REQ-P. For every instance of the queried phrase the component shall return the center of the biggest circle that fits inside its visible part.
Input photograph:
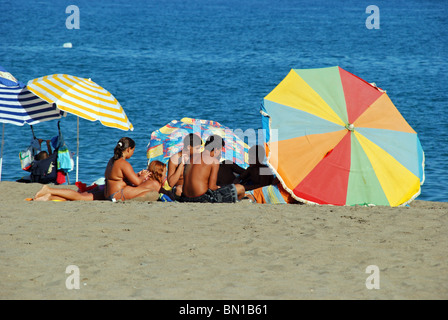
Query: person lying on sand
(192, 144)
(201, 174)
(258, 174)
(229, 173)
(154, 183)
(271, 194)
(49, 194)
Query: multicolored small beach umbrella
(333, 138)
(83, 98)
(168, 140)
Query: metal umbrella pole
(1, 154)
(77, 147)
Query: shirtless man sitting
(201, 174)
(192, 144)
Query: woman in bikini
(157, 177)
(121, 181)
(150, 180)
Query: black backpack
(46, 170)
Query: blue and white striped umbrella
(18, 106)
(7, 79)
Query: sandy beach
(157, 250)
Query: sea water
(218, 59)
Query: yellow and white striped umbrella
(81, 97)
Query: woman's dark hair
(122, 145)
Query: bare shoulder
(175, 158)
(208, 160)
(116, 169)
(151, 184)
(121, 163)
(214, 163)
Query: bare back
(119, 174)
(200, 175)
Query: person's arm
(213, 176)
(237, 169)
(244, 176)
(50, 152)
(175, 170)
(146, 173)
(261, 180)
(130, 176)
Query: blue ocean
(218, 59)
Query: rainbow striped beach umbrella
(83, 98)
(333, 138)
(168, 140)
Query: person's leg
(209, 197)
(129, 193)
(49, 197)
(240, 190)
(62, 194)
(71, 195)
(42, 192)
(178, 190)
(228, 193)
(45, 197)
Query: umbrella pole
(1, 154)
(77, 147)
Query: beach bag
(65, 162)
(45, 171)
(164, 198)
(27, 155)
(26, 158)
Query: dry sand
(156, 250)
